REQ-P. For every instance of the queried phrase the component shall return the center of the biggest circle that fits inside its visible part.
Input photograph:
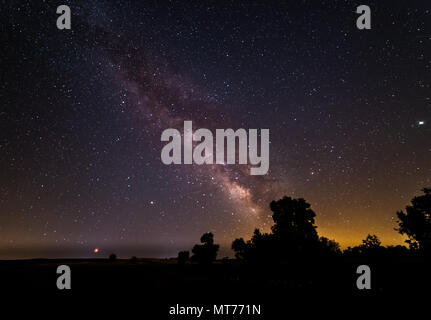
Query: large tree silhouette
(293, 234)
(293, 220)
(415, 222)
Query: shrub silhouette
(416, 222)
(183, 256)
(206, 252)
(112, 257)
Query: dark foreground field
(156, 285)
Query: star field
(82, 111)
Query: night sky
(82, 112)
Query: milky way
(165, 100)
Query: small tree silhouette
(206, 252)
(371, 242)
(416, 222)
(371, 247)
(112, 257)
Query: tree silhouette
(262, 247)
(371, 242)
(206, 252)
(416, 222)
(371, 248)
(293, 228)
(112, 257)
(293, 219)
(293, 234)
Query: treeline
(294, 236)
